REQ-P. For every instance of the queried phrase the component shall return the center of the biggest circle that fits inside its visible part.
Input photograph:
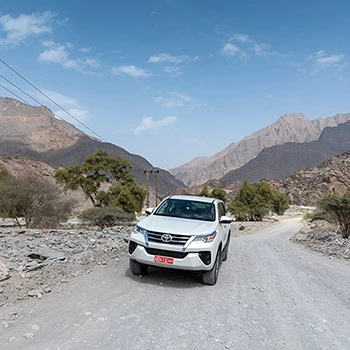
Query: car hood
(177, 225)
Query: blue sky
(171, 80)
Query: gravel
(32, 262)
(323, 238)
(271, 294)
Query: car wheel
(227, 246)
(137, 268)
(210, 277)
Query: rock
(35, 293)
(35, 327)
(326, 242)
(33, 265)
(29, 335)
(59, 254)
(309, 185)
(4, 272)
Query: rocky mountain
(294, 128)
(19, 167)
(281, 161)
(34, 132)
(309, 185)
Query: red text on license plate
(163, 259)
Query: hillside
(294, 128)
(19, 167)
(279, 162)
(308, 185)
(35, 133)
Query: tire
(227, 246)
(137, 268)
(210, 277)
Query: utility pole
(156, 172)
(156, 179)
(147, 188)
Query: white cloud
(329, 60)
(166, 58)
(176, 99)
(54, 53)
(92, 63)
(85, 49)
(320, 53)
(80, 114)
(20, 28)
(174, 69)
(132, 71)
(321, 60)
(262, 50)
(249, 44)
(148, 124)
(58, 53)
(242, 38)
(232, 50)
(70, 104)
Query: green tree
(254, 202)
(335, 210)
(280, 203)
(128, 196)
(39, 202)
(100, 168)
(215, 193)
(219, 193)
(204, 192)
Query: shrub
(39, 202)
(336, 210)
(106, 216)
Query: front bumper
(190, 260)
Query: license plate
(163, 260)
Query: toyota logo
(166, 237)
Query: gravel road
(271, 294)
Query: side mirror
(149, 211)
(225, 220)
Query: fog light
(132, 247)
(205, 257)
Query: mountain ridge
(293, 127)
(281, 161)
(35, 133)
(308, 185)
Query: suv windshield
(187, 209)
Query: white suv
(183, 232)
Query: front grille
(176, 255)
(156, 237)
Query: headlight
(206, 238)
(139, 229)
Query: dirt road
(271, 294)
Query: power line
(32, 85)
(37, 109)
(17, 87)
